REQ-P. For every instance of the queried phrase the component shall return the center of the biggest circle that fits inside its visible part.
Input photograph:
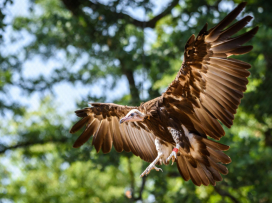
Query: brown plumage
(207, 88)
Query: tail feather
(202, 164)
(215, 145)
(202, 175)
(208, 174)
(219, 155)
(182, 167)
(216, 175)
(219, 167)
(194, 174)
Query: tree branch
(3, 148)
(214, 7)
(152, 23)
(131, 174)
(134, 91)
(141, 189)
(224, 193)
(74, 7)
(133, 198)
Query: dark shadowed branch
(3, 148)
(141, 189)
(132, 184)
(224, 193)
(132, 180)
(75, 5)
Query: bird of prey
(207, 89)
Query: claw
(157, 169)
(149, 168)
(172, 156)
(153, 165)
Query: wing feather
(116, 135)
(102, 121)
(87, 133)
(209, 85)
(99, 136)
(107, 144)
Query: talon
(172, 157)
(149, 168)
(153, 166)
(158, 169)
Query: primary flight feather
(208, 87)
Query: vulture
(176, 125)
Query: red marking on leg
(175, 150)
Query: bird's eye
(132, 114)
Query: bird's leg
(173, 155)
(153, 164)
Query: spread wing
(102, 121)
(209, 85)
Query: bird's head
(133, 115)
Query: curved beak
(122, 120)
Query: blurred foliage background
(59, 54)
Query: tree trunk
(134, 92)
(135, 98)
